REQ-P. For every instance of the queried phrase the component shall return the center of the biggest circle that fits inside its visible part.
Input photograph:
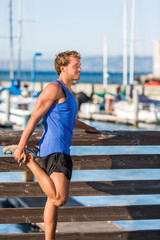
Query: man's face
(73, 69)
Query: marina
(17, 108)
(115, 186)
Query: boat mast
(132, 43)
(105, 75)
(125, 42)
(11, 42)
(19, 39)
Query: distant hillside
(115, 64)
(89, 64)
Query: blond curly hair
(63, 58)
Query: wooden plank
(21, 215)
(8, 137)
(20, 190)
(93, 162)
(106, 138)
(109, 213)
(72, 214)
(9, 164)
(87, 227)
(102, 188)
(22, 236)
(116, 138)
(116, 235)
(136, 161)
(89, 188)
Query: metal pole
(19, 38)
(132, 43)
(34, 72)
(11, 42)
(125, 42)
(136, 104)
(7, 100)
(105, 75)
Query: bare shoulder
(54, 86)
(50, 95)
(52, 91)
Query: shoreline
(89, 88)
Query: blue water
(86, 77)
(101, 175)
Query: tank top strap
(60, 84)
(63, 87)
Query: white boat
(139, 109)
(146, 112)
(15, 110)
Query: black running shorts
(57, 162)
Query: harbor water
(104, 175)
(86, 77)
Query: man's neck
(67, 83)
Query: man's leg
(51, 211)
(50, 220)
(55, 186)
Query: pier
(16, 116)
(86, 222)
(89, 88)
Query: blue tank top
(58, 126)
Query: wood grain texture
(89, 188)
(74, 214)
(110, 235)
(93, 162)
(81, 138)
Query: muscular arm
(49, 95)
(87, 128)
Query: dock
(77, 221)
(19, 115)
(105, 117)
(64, 227)
(89, 88)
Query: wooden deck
(65, 227)
(75, 220)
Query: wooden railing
(94, 214)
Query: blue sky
(57, 25)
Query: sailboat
(15, 107)
(138, 108)
(129, 110)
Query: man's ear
(62, 68)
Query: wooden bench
(88, 222)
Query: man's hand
(20, 155)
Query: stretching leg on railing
(56, 187)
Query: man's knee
(61, 201)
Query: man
(58, 107)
